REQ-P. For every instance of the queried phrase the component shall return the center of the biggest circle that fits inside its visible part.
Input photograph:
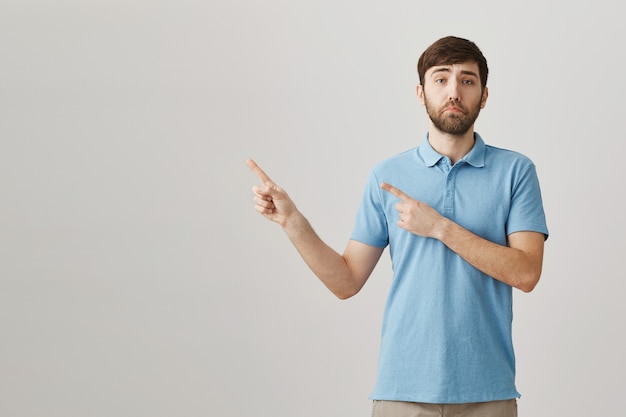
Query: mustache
(454, 103)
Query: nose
(454, 92)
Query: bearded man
(465, 225)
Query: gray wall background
(136, 279)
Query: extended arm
(518, 264)
(343, 274)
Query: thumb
(268, 190)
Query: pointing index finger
(395, 191)
(258, 171)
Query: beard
(456, 124)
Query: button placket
(448, 201)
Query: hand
(270, 200)
(415, 216)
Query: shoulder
(506, 153)
(397, 161)
(502, 158)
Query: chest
(476, 198)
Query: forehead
(464, 68)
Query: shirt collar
(475, 157)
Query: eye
(440, 81)
(468, 82)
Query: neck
(454, 147)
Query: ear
(483, 100)
(420, 93)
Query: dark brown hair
(452, 50)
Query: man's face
(452, 96)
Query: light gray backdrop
(136, 279)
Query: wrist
(293, 222)
(441, 228)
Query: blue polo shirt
(446, 335)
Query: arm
(518, 264)
(343, 274)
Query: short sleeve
(371, 225)
(526, 212)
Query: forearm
(326, 263)
(517, 267)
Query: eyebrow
(447, 69)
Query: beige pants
(506, 408)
